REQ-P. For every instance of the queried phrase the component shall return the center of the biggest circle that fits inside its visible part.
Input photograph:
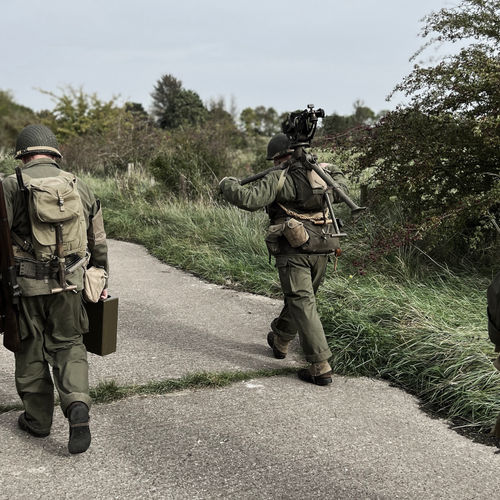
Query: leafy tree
(100, 136)
(261, 121)
(335, 124)
(217, 112)
(465, 83)
(131, 141)
(222, 120)
(338, 124)
(77, 113)
(173, 106)
(137, 110)
(193, 160)
(196, 156)
(436, 153)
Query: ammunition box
(103, 326)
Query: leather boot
(79, 431)
(25, 426)
(279, 347)
(318, 373)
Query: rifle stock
(9, 289)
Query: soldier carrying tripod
(303, 233)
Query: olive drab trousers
(51, 329)
(300, 277)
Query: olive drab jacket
(18, 218)
(285, 193)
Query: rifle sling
(25, 245)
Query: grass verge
(422, 327)
(107, 392)
(110, 391)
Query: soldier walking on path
(301, 238)
(57, 230)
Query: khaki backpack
(55, 201)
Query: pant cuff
(318, 357)
(317, 369)
(37, 428)
(73, 398)
(285, 336)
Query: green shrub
(437, 170)
(194, 159)
(7, 164)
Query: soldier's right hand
(224, 180)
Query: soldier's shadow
(50, 444)
(53, 444)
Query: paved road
(263, 438)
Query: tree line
(77, 113)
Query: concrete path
(263, 438)
(171, 324)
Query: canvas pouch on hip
(94, 283)
(295, 233)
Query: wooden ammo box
(103, 325)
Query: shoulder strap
(22, 243)
(281, 181)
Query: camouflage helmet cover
(36, 139)
(278, 146)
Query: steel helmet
(278, 146)
(36, 139)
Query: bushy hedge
(193, 159)
(438, 170)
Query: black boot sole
(79, 431)
(307, 377)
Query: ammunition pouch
(322, 239)
(33, 269)
(38, 270)
(274, 233)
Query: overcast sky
(284, 54)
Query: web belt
(34, 269)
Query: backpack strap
(282, 179)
